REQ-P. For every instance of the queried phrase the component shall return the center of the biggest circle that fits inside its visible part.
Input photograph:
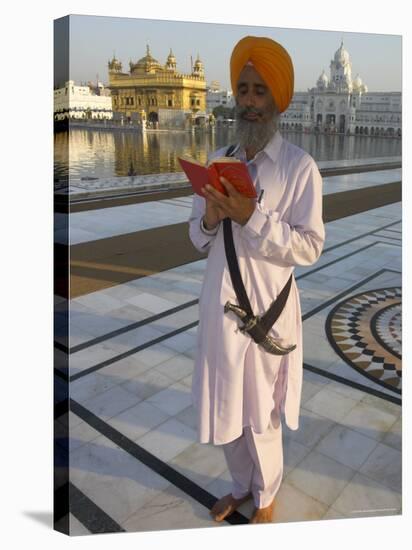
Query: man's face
(256, 113)
(253, 97)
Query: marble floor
(108, 222)
(135, 464)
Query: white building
(340, 104)
(215, 97)
(73, 101)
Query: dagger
(268, 343)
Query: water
(102, 154)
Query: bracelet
(208, 231)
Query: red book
(234, 170)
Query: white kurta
(234, 378)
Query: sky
(94, 40)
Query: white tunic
(234, 378)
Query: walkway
(134, 461)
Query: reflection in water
(114, 153)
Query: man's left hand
(236, 206)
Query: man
(239, 389)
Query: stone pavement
(135, 464)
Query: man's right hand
(213, 215)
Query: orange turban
(272, 62)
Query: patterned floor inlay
(365, 330)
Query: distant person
(240, 387)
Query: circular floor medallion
(366, 331)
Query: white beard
(254, 135)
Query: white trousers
(255, 462)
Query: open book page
(224, 159)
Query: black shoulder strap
(231, 258)
(234, 270)
(276, 308)
(230, 150)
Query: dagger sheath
(252, 325)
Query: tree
(223, 112)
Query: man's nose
(250, 99)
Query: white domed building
(341, 71)
(323, 81)
(341, 104)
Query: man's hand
(213, 214)
(236, 206)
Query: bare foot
(263, 515)
(226, 505)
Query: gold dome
(146, 63)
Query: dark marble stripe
(386, 237)
(151, 461)
(304, 317)
(168, 335)
(185, 305)
(84, 345)
(352, 384)
(341, 258)
(344, 293)
(132, 351)
(359, 236)
(90, 515)
(132, 326)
